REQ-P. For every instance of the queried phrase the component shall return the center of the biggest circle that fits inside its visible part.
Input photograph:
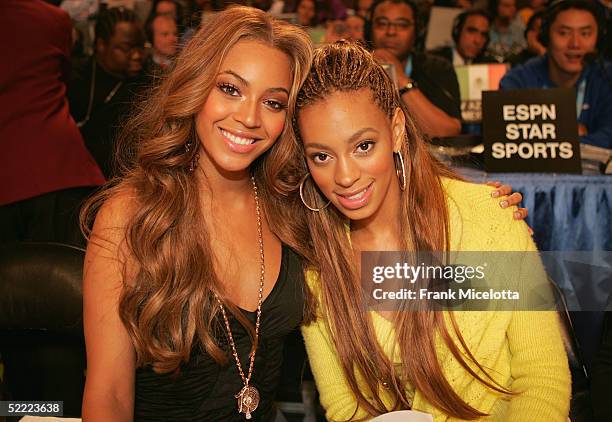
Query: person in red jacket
(45, 169)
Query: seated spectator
(307, 13)
(507, 31)
(571, 33)
(103, 87)
(471, 36)
(173, 9)
(534, 46)
(355, 27)
(349, 29)
(162, 33)
(428, 84)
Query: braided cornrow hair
(109, 18)
(346, 70)
(424, 226)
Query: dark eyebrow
(589, 26)
(245, 82)
(352, 139)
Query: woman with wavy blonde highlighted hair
(188, 292)
(369, 183)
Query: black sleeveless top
(204, 391)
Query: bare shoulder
(115, 212)
(107, 251)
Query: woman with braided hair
(368, 183)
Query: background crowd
(89, 63)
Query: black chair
(41, 331)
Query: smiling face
(245, 111)
(349, 143)
(573, 34)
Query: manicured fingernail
(503, 204)
(495, 193)
(517, 214)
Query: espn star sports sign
(531, 130)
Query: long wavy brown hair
(167, 301)
(344, 67)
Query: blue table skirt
(566, 212)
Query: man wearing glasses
(102, 87)
(427, 84)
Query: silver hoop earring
(302, 182)
(402, 176)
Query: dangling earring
(402, 176)
(302, 196)
(193, 164)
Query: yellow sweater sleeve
(334, 393)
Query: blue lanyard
(580, 93)
(408, 67)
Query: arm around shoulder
(109, 386)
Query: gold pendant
(248, 400)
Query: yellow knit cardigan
(523, 351)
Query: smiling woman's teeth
(236, 139)
(357, 195)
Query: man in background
(427, 83)
(507, 31)
(103, 87)
(571, 34)
(470, 34)
(162, 33)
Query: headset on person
(459, 23)
(559, 6)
